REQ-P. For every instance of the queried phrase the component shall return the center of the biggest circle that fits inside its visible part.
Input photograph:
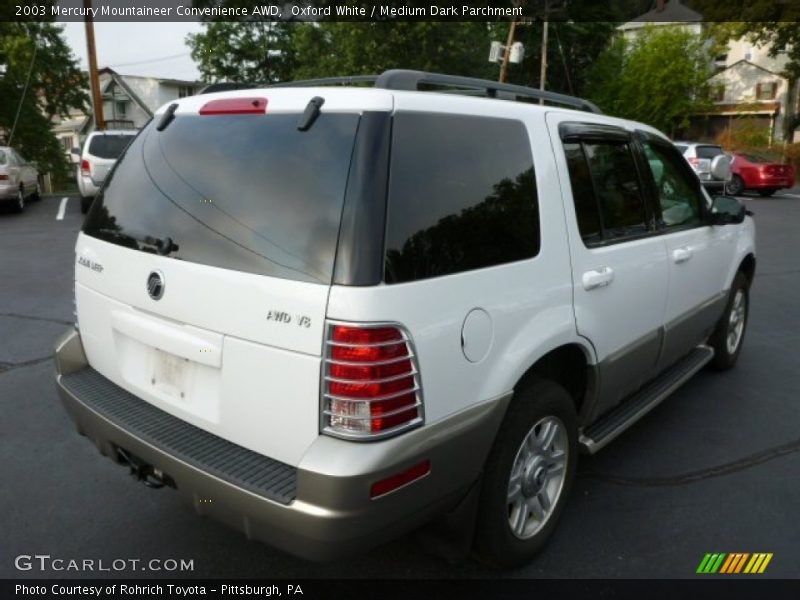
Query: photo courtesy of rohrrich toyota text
(474, 300)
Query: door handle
(681, 255)
(597, 278)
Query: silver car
(19, 179)
(709, 161)
(100, 151)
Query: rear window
(2, 158)
(243, 192)
(108, 146)
(708, 151)
(462, 195)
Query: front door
(698, 254)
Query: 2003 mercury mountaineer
(328, 314)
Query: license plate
(169, 373)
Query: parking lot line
(790, 195)
(61, 208)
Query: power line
(142, 62)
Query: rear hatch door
(205, 265)
(103, 151)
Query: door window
(675, 189)
(606, 190)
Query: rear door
(619, 266)
(204, 269)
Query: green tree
(347, 48)
(41, 80)
(660, 78)
(253, 51)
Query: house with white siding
(749, 85)
(129, 101)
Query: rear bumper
(8, 191)
(328, 512)
(86, 186)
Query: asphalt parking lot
(713, 469)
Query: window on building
(462, 196)
(718, 93)
(721, 60)
(66, 142)
(122, 108)
(766, 90)
(185, 90)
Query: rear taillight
(3, 177)
(694, 161)
(85, 167)
(371, 387)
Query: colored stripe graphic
(711, 563)
(758, 563)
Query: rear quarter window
(3, 159)
(462, 195)
(108, 146)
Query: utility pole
(506, 55)
(543, 68)
(94, 81)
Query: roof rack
(226, 86)
(402, 79)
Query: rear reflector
(384, 486)
(371, 386)
(235, 106)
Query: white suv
(327, 315)
(100, 151)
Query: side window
(677, 195)
(2, 157)
(583, 194)
(606, 190)
(462, 195)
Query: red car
(758, 173)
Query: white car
(19, 179)
(99, 154)
(327, 315)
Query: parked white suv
(100, 151)
(327, 315)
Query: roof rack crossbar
(401, 79)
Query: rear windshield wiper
(161, 246)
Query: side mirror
(726, 210)
(76, 152)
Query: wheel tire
(735, 186)
(534, 406)
(728, 335)
(766, 193)
(19, 203)
(86, 204)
